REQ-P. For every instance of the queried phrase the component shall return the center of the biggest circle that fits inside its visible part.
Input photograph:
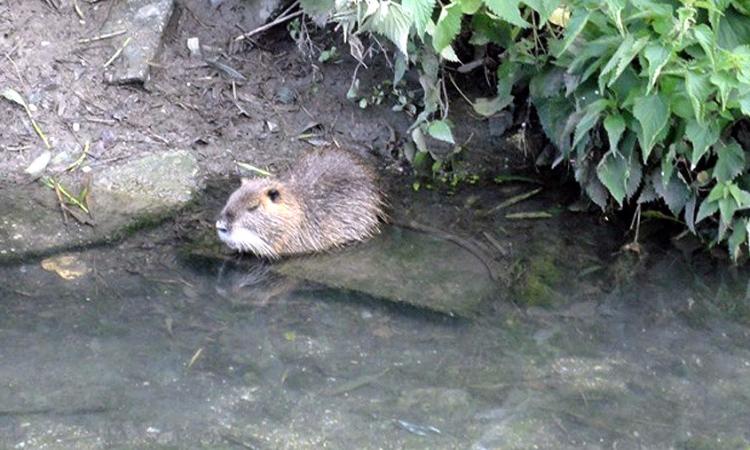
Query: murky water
(148, 348)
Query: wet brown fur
(327, 199)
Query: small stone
(499, 123)
(285, 95)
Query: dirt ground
(187, 104)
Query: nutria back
(328, 198)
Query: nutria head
(259, 217)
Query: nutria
(327, 199)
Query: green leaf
(440, 129)
(420, 11)
(400, 65)
(614, 124)
(675, 192)
(705, 38)
(731, 162)
(698, 89)
(626, 52)
(667, 164)
(390, 21)
(707, 209)
(702, 137)
(657, 57)
(725, 82)
(470, 6)
(543, 7)
(718, 192)
(737, 238)
(733, 30)
(612, 171)
(578, 20)
(652, 113)
(590, 118)
(727, 208)
(508, 11)
(487, 107)
(447, 28)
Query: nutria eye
(273, 194)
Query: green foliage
(640, 97)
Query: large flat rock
(402, 266)
(122, 198)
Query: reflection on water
(150, 350)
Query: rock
(145, 21)
(402, 266)
(123, 198)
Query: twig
(118, 52)
(277, 21)
(529, 215)
(78, 10)
(101, 37)
(512, 201)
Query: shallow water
(153, 349)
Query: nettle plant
(644, 99)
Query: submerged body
(327, 199)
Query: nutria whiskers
(327, 199)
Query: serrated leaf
(737, 238)
(508, 10)
(614, 125)
(702, 137)
(596, 191)
(487, 107)
(652, 113)
(707, 209)
(420, 11)
(698, 89)
(390, 20)
(614, 11)
(544, 8)
(718, 192)
(725, 82)
(622, 57)
(400, 65)
(590, 118)
(705, 38)
(447, 27)
(612, 171)
(727, 208)
(657, 57)
(667, 165)
(470, 6)
(440, 129)
(674, 192)
(578, 20)
(731, 162)
(449, 54)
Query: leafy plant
(643, 98)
